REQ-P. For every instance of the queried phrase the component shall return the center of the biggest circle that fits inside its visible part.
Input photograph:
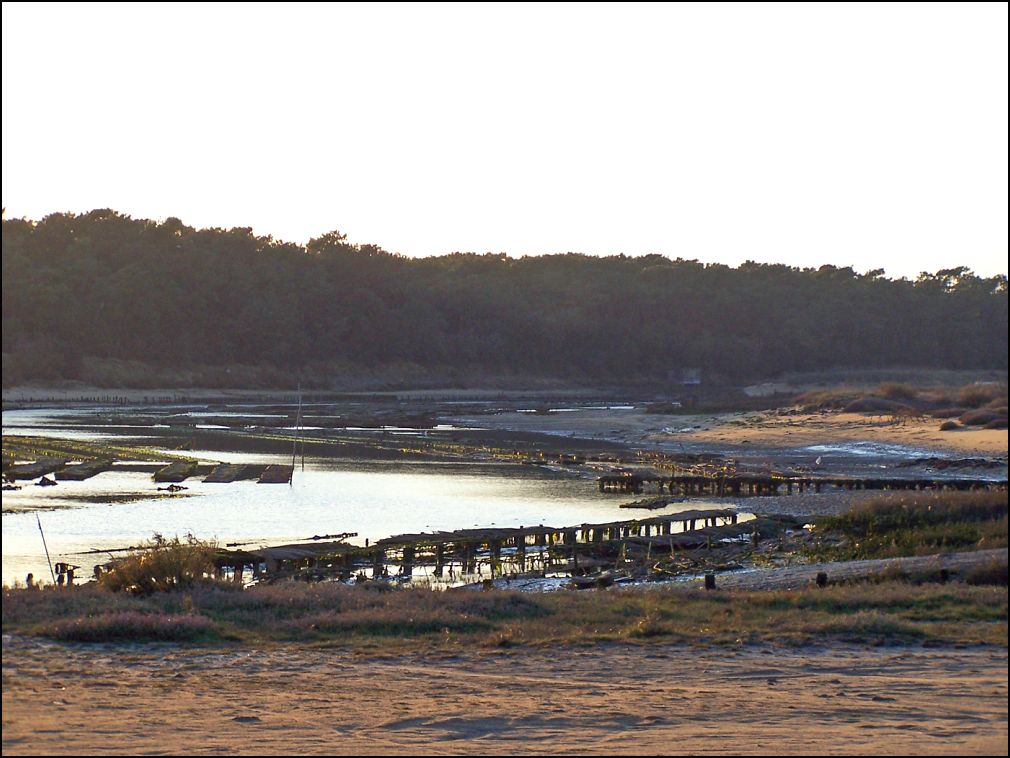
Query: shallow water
(374, 499)
(873, 449)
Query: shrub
(897, 391)
(997, 423)
(978, 418)
(948, 426)
(947, 412)
(834, 399)
(975, 395)
(870, 404)
(133, 627)
(162, 565)
(990, 572)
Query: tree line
(107, 286)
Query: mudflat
(605, 699)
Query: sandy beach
(619, 699)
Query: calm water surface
(329, 497)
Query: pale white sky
(866, 135)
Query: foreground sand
(655, 699)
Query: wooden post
(710, 581)
(495, 557)
(439, 559)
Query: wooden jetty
(476, 552)
(743, 485)
(85, 470)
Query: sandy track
(655, 699)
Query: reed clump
(915, 524)
(162, 565)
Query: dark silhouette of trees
(104, 285)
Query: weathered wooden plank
(176, 472)
(41, 467)
(277, 474)
(84, 470)
(225, 473)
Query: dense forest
(101, 288)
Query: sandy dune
(656, 699)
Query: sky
(864, 135)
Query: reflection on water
(374, 500)
(371, 498)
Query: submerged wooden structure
(41, 467)
(484, 552)
(172, 473)
(175, 472)
(81, 471)
(743, 485)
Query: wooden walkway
(469, 552)
(743, 485)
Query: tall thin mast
(298, 429)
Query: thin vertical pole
(298, 427)
(51, 572)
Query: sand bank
(806, 429)
(725, 431)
